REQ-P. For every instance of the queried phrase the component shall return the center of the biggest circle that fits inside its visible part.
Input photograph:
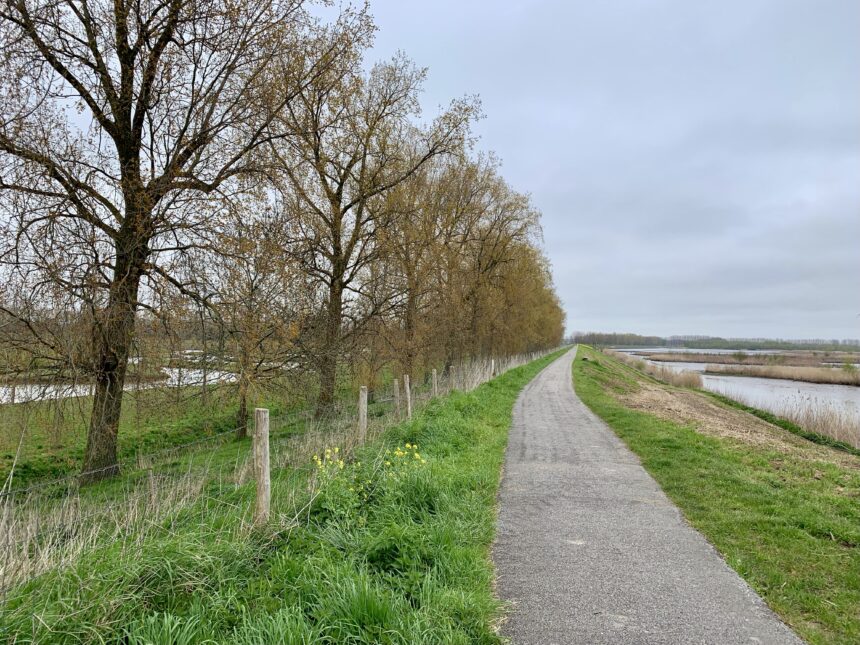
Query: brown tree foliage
(119, 121)
(200, 166)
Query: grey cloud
(697, 164)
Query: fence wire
(50, 524)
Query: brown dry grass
(711, 417)
(665, 374)
(820, 418)
(796, 359)
(828, 375)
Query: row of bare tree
(236, 163)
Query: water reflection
(175, 377)
(774, 395)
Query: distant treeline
(706, 342)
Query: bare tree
(259, 298)
(358, 141)
(119, 121)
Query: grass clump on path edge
(789, 525)
(394, 548)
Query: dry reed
(813, 415)
(667, 375)
(828, 375)
(740, 358)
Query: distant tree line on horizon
(231, 175)
(601, 339)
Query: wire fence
(50, 524)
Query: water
(774, 395)
(684, 350)
(778, 395)
(679, 366)
(176, 377)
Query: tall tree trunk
(244, 387)
(410, 323)
(242, 414)
(474, 331)
(331, 349)
(113, 338)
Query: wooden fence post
(362, 414)
(397, 398)
(435, 385)
(261, 465)
(407, 389)
(492, 368)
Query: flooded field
(174, 377)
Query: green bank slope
(787, 523)
(392, 546)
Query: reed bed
(741, 358)
(826, 375)
(815, 416)
(684, 378)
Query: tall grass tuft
(826, 375)
(667, 375)
(811, 416)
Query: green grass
(152, 420)
(790, 526)
(393, 549)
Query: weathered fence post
(407, 390)
(362, 414)
(261, 464)
(435, 385)
(492, 368)
(397, 398)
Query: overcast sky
(697, 163)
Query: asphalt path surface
(590, 550)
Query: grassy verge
(790, 526)
(152, 420)
(391, 546)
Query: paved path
(590, 550)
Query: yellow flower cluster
(330, 460)
(408, 450)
